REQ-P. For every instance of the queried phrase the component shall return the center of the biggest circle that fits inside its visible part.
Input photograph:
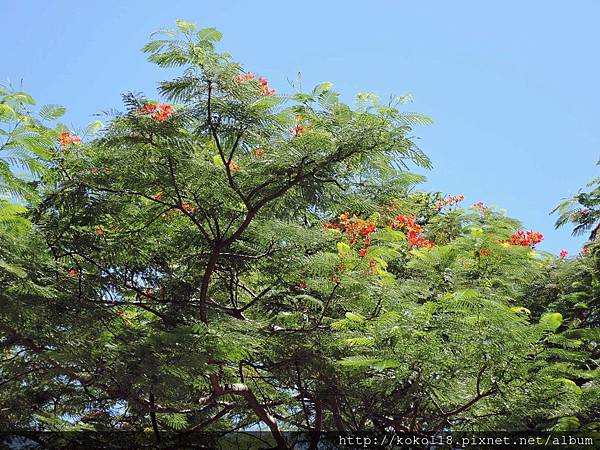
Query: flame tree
(232, 256)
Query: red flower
(301, 284)
(584, 251)
(449, 200)
(298, 127)
(159, 112)
(535, 237)
(233, 167)
(367, 228)
(480, 206)
(265, 89)
(355, 228)
(526, 239)
(415, 240)
(563, 254)
(64, 138)
(243, 77)
(100, 231)
(373, 265)
(67, 138)
(362, 251)
(406, 223)
(188, 208)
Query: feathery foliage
(238, 256)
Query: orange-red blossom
(526, 238)
(67, 138)
(298, 127)
(449, 200)
(408, 225)
(264, 84)
(242, 78)
(73, 272)
(357, 229)
(189, 208)
(361, 230)
(233, 166)
(265, 89)
(158, 111)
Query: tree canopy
(228, 257)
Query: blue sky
(512, 86)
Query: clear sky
(512, 85)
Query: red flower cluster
(450, 200)
(265, 89)
(301, 284)
(526, 239)
(357, 229)
(563, 254)
(67, 138)
(159, 112)
(372, 265)
(408, 225)
(189, 208)
(264, 84)
(73, 272)
(298, 128)
(480, 206)
(584, 251)
(233, 167)
(244, 77)
(416, 240)
(107, 170)
(259, 152)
